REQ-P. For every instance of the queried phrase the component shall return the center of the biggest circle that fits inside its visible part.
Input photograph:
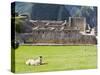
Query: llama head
(40, 59)
(40, 56)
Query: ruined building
(71, 32)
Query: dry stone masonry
(71, 32)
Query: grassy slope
(57, 57)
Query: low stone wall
(58, 37)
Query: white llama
(34, 62)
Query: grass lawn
(56, 57)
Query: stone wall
(77, 23)
(59, 37)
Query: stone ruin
(72, 32)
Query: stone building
(71, 32)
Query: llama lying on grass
(34, 62)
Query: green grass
(56, 57)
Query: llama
(34, 62)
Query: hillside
(40, 11)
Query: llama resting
(34, 62)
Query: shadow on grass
(43, 63)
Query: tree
(18, 22)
